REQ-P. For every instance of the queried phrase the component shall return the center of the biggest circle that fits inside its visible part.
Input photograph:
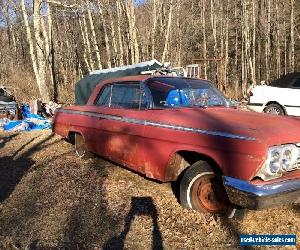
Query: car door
(121, 134)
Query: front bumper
(255, 197)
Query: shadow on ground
(296, 207)
(15, 166)
(6, 139)
(90, 219)
(229, 224)
(139, 206)
(12, 169)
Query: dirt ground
(51, 199)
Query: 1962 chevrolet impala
(184, 130)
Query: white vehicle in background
(280, 97)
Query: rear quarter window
(297, 83)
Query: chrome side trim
(156, 124)
(262, 190)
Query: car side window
(104, 98)
(128, 96)
(297, 83)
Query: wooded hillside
(47, 45)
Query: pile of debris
(35, 116)
(8, 104)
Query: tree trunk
(89, 67)
(107, 45)
(52, 59)
(88, 43)
(292, 51)
(278, 57)
(132, 31)
(285, 49)
(204, 50)
(113, 38)
(154, 24)
(253, 42)
(214, 33)
(94, 37)
(236, 64)
(168, 31)
(226, 60)
(40, 46)
(267, 45)
(120, 40)
(36, 47)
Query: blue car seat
(177, 98)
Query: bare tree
(203, 11)
(130, 13)
(94, 38)
(120, 40)
(107, 44)
(245, 41)
(37, 46)
(292, 51)
(168, 30)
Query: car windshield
(168, 92)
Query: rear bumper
(255, 197)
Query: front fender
(230, 163)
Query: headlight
(280, 160)
(287, 160)
(274, 162)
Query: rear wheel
(81, 148)
(274, 109)
(202, 189)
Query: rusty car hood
(266, 128)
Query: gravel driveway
(51, 199)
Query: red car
(184, 130)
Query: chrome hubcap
(274, 110)
(80, 146)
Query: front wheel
(202, 190)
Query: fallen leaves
(51, 198)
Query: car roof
(139, 78)
(136, 78)
(285, 81)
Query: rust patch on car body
(176, 165)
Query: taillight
(250, 93)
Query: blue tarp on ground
(29, 122)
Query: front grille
(296, 165)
